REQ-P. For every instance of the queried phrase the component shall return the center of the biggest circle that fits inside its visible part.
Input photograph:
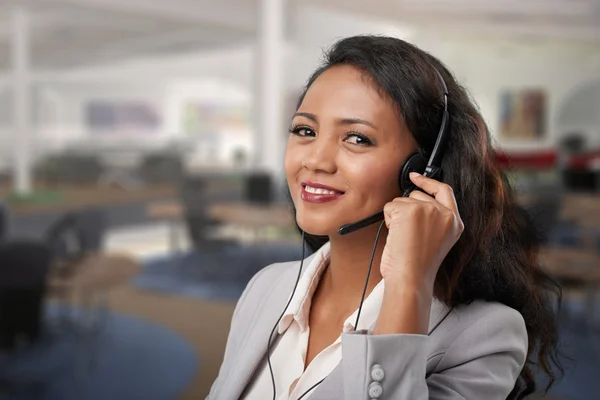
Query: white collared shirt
(289, 354)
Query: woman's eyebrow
(310, 116)
(352, 121)
(342, 121)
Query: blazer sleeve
(483, 362)
(233, 341)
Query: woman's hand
(422, 230)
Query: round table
(89, 280)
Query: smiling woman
(455, 306)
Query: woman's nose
(321, 155)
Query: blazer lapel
(439, 311)
(254, 348)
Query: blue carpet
(580, 358)
(134, 359)
(221, 275)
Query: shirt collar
(299, 306)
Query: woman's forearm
(405, 309)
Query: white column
(270, 135)
(22, 126)
(51, 118)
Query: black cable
(281, 316)
(361, 300)
(311, 388)
(368, 274)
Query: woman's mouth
(317, 193)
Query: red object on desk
(545, 159)
(532, 160)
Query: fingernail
(414, 174)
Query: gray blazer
(473, 352)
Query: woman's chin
(317, 228)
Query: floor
(202, 323)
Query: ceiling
(556, 19)
(70, 33)
(67, 33)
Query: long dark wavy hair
(496, 257)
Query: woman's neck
(344, 279)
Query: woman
(455, 306)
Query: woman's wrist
(405, 309)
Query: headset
(416, 162)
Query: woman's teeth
(319, 190)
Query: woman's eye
(302, 131)
(359, 139)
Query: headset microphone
(414, 163)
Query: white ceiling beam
(47, 75)
(535, 8)
(501, 29)
(77, 17)
(223, 13)
(144, 45)
(529, 11)
(38, 19)
(469, 23)
(536, 31)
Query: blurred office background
(141, 148)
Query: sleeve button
(375, 390)
(377, 373)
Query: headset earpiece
(414, 163)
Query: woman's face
(345, 151)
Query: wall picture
(206, 117)
(122, 117)
(523, 115)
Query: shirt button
(375, 390)
(377, 373)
